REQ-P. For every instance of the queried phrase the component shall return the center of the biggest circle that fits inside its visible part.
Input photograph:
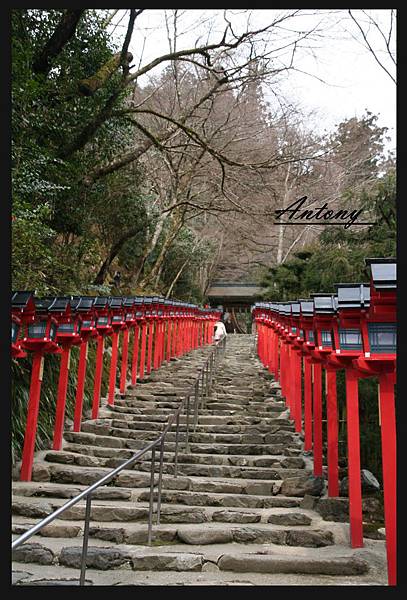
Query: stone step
(124, 511)
(228, 411)
(193, 534)
(103, 511)
(121, 429)
(68, 482)
(152, 559)
(219, 499)
(198, 448)
(132, 422)
(141, 416)
(250, 480)
(117, 456)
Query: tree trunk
(172, 234)
(61, 36)
(177, 276)
(114, 251)
(151, 244)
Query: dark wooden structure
(235, 298)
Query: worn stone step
(122, 430)
(118, 557)
(251, 478)
(192, 534)
(141, 416)
(132, 422)
(116, 456)
(223, 500)
(249, 563)
(104, 511)
(130, 442)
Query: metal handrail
(207, 367)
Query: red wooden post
(61, 398)
(317, 420)
(355, 488)
(125, 353)
(277, 357)
(332, 428)
(170, 326)
(150, 346)
(113, 368)
(162, 340)
(298, 394)
(98, 377)
(143, 349)
(32, 417)
(175, 334)
(134, 359)
(388, 434)
(83, 355)
(307, 405)
(156, 344)
(282, 370)
(287, 377)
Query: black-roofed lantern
(118, 323)
(83, 306)
(130, 322)
(40, 334)
(353, 304)
(103, 327)
(39, 337)
(22, 313)
(67, 335)
(379, 329)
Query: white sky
(354, 80)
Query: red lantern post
(324, 319)
(379, 359)
(130, 320)
(39, 338)
(84, 306)
(147, 303)
(118, 323)
(103, 327)
(68, 335)
(353, 302)
(139, 314)
(312, 378)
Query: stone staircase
(240, 511)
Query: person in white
(220, 330)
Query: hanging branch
(63, 33)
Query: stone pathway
(244, 509)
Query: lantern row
(354, 330)
(161, 329)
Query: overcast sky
(352, 79)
